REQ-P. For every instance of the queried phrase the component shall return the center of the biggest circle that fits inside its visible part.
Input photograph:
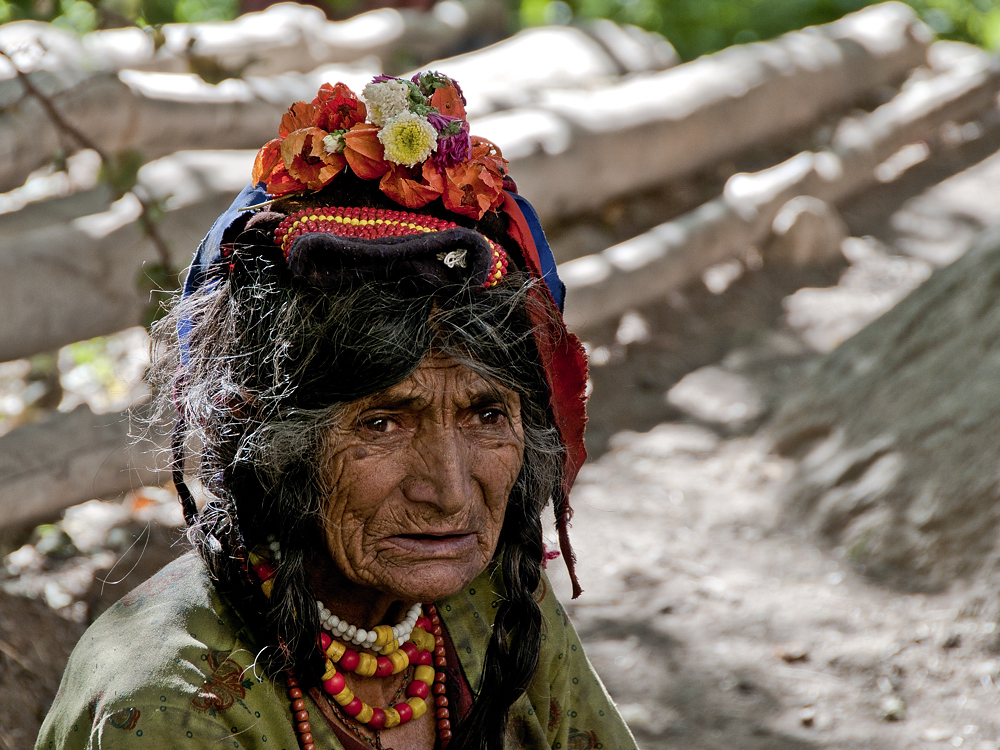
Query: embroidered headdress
(413, 138)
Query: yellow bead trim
(391, 718)
(336, 650)
(400, 661)
(330, 671)
(419, 706)
(367, 712)
(366, 665)
(383, 635)
(266, 587)
(344, 697)
(422, 639)
(424, 673)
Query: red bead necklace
(377, 719)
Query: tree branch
(146, 220)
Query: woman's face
(421, 474)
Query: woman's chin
(430, 580)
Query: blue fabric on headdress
(549, 273)
(209, 252)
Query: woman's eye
(492, 416)
(379, 424)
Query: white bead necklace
(346, 631)
(366, 638)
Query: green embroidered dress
(171, 666)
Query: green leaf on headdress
(418, 102)
(452, 128)
(431, 81)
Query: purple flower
(453, 146)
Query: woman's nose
(440, 469)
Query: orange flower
(473, 188)
(448, 102)
(334, 108)
(307, 160)
(268, 158)
(299, 116)
(412, 187)
(339, 108)
(365, 152)
(280, 183)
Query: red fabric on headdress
(565, 364)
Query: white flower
(386, 99)
(408, 139)
(334, 143)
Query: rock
(954, 640)
(34, 645)
(897, 431)
(792, 652)
(936, 734)
(875, 282)
(579, 240)
(714, 395)
(892, 708)
(807, 231)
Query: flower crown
(412, 136)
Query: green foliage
(697, 27)
(87, 15)
(121, 171)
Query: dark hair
(269, 364)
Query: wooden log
(283, 38)
(680, 120)
(645, 268)
(517, 71)
(154, 113)
(68, 458)
(60, 284)
(653, 128)
(159, 113)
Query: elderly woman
(375, 390)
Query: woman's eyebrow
(397, 403)
(487, 397)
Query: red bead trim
(344, 221)
(373, 223)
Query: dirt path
(713, 629)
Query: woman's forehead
(439, 375)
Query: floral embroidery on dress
(124, 718)
(581, 740)
(541, 591)
(555, 713)
(224, 686)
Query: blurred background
(778, 225)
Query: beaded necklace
(422, 647)
(427, 682)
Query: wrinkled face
(421, 473)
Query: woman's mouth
(435, 545)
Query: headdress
(411, 136)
